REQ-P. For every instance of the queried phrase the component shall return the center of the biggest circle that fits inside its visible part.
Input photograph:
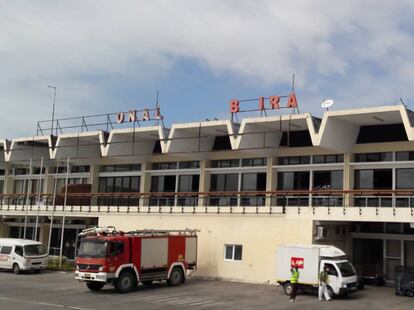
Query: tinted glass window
(6, 250)
(405, 178)
(18, 250)
(293, 180)
(238, 251)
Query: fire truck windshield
(93, 249)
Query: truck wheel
(176, 277)
(16, 269)
(331, 292)
(95, 286)
(410, 293)
(287, 288)
(125, 282)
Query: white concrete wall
(259, 235)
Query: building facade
(346, 179)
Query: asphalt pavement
(58, 290)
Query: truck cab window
(331, 270)
(18, 250)
(117, 248)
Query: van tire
(287, 288)
(126, 282)
(95, 286)
(330, 292)
(176, 277)
(16, 268)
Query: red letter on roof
(261, 103)
(234, 106)
(292, 103)
(274, 102)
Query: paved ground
(57, 290)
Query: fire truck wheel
(125, 282)
(95, 286)
(176, 277)
(16, 269)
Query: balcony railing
(244, 202)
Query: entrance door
(369, 257)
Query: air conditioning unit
(320, 232)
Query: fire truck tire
(95, 286)
(176, 277)
(126, 282)
(16, 268)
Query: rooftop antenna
(327, 103)
(403, 103)
(53, 111)
(293, 83)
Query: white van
(22, 254)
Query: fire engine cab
(108, 256)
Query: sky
(110, 56)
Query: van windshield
(347, 269)
(34, 250)
(93, 248)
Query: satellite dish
(327, 103)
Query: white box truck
(310, 259)
(22, 255)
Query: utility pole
(53, 111)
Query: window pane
(249, 182)
(337, 180)
(403, 156)
(238, 252)
(135, 184)
(229, 252)
(318, 159)
(232, 182)
(6, 250)
(184, 183)
(405, 178)
(364, 179)
(169, 183)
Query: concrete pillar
(348, 179)
(204, 185)
(4, 230)
(44, 234)
(8, 182)
(271, 180)
(94, 178)
(145, 183)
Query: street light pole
(53, 111)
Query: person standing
(323, 284)
(294, 279)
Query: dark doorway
(369, 258)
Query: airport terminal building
(248, 184)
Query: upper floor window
(254, 162)
(194, 164)
(164, 166)
(404, 156)
(73, 169)
(121, 168)
(328, 159)
(225, 163)
(373, 157)
(294, 160)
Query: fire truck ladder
(155, 232)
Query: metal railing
(244, 202)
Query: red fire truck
(108, 256)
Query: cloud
(357, 52)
